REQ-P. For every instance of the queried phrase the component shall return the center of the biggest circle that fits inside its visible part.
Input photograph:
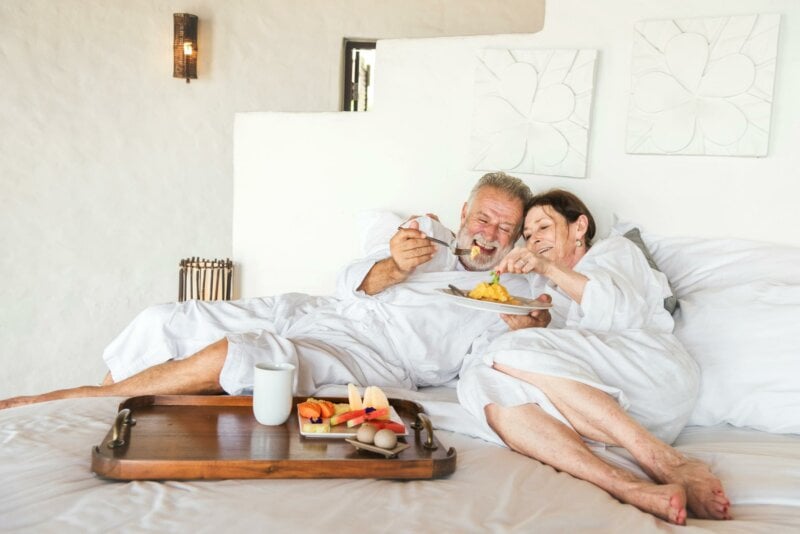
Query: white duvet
(48, 486)
(406, 336)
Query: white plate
(343, 431)
(523, 308)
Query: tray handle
(422, 421)
(122, 422)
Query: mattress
(47, 486)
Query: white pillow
(695, 264)
(739, 317)
(746, 339)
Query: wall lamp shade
(184, 46)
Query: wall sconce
(184, 46)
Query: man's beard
(481, 262)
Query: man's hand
(409, 249)
(536, 319)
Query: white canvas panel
(703, 85)
(531, 111)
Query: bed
(739, 307)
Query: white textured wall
(417, 140)
(704, 196)
(111, 170)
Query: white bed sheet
(47, 486)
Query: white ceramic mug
(272, 392)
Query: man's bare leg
(529, 430)
(597, 416)
(197, 374)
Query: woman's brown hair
(568, 206)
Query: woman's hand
(523, 261)
(536, 319)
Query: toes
(681, 519)
(711, 511)
(677, 510)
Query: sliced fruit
(377, 398)
(368, 396)
(310, 410)
(394, 426)
(317, 428)
(378, 413)
(368, 416)
(327, 409)
(356, 421)
(341, 407)
(338, 419)
(354, 397)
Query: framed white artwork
(703, 85)
(531, 111)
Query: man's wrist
(396, 274)
(384, 273)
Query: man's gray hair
(511, 185)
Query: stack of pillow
(739, 316)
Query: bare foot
(667, 501)
(704, 494)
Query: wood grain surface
(217, 437)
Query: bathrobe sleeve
(350, 277)
(623, 292)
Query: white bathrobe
(409, 335)
(618, 340)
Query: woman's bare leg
(597, 416)
(197, 374)
(529, 430)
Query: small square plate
(389, 453)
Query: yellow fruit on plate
(367, 401)
(341, 407)
(354, 397)
(317, 428)
(375, 397)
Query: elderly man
(387, 327)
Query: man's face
(492, 223)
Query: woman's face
(547, 233)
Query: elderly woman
(607, 369)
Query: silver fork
(457, 291)
(451, 245)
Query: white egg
(385, 439)
(366, 433)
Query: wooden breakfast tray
(217, 437)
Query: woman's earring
(578, 243)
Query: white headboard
(301, 178)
